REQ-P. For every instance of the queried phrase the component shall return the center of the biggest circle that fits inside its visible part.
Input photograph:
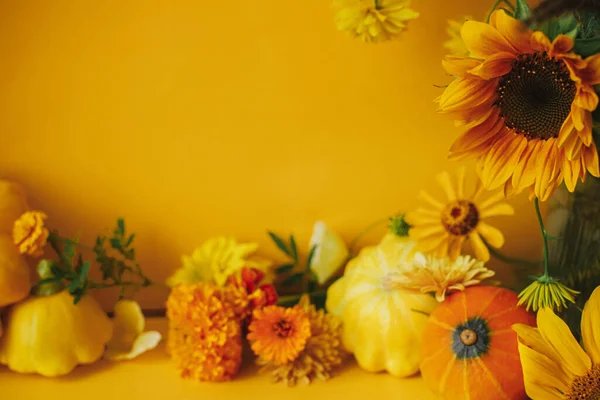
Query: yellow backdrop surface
(196, 118)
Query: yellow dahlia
(321, 354)
(205, 334)
(444, 229)
(278, 334)
(455, 44)
(554, 364)
(440, 276)
(526, 103)
(374, 21)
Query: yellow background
(196, 118)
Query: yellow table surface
(153, 376)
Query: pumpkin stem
(48, 284)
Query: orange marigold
(205, 334)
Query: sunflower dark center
(535, 96)
(586, 387)
(282, 328)
(471, 339)
(460, 217)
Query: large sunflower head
(526, 104)
(444, 228)
(554, 364)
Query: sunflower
(374, 21)
(554, 364)
(440, 276)
(279, 334)
(444, 230)
(526, 103)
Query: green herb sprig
(294, 271)
(114, 255)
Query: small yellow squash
(50, 335)
(382, 324)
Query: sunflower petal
(525, 170)
(517, 33)
(586, 98)
(558, 336)
(547, 169)
(590, 327)
(481, 251)
(570, 170)
(465, 93)
(591, 74)
(479, 134)
(491, 234)
(561, 45)
(494, 66)
(590, 155)
(541, 375)
(501, 160)
(458, 66)
(483, 40)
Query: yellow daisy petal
(481, 251)
(558, 336)
(590, 329)
(444, 180)
(492, 235)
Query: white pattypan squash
(382, 325)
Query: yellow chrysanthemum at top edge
(523, 141)
(443, 229)
(374, 21)
(554, 364)
(216, 260)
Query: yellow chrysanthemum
(322, 353)
(374, 21)
(278, 334)
(456, 45)
(554, 364)
(217, 259)
(547, 292)
(441, 276)
(526, 103)
(30, 234)
(129, 339)
(205, 334)
(443, 230)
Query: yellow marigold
(278, 334)
(456, 45)
(374, 21)
(205, 335)
(30, 234)
(217, 259)
(321, 354)
(439, 275)
(446, 227)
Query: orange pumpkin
(469, 349)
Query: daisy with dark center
(526, 103)
(279, 334)
(444, 229)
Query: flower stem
(507, 259)
(495, 6)
(544, 235)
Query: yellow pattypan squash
(13, 203)
(382, 324)
(50, 335)
(14, 273)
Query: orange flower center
(535, 97)
(586, 387)
(460, 217)
(283, 328)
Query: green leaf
(568, 25)
(587, 47)
(311, 255)
(522, 11)
(312, 284)
(284, 268)
(121, 226)
(294, 279)
(294, 248)
(130, 240)
(280, 244)
(115, 243)
(83, 274)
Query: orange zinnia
(279, 334)
(526, 103)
